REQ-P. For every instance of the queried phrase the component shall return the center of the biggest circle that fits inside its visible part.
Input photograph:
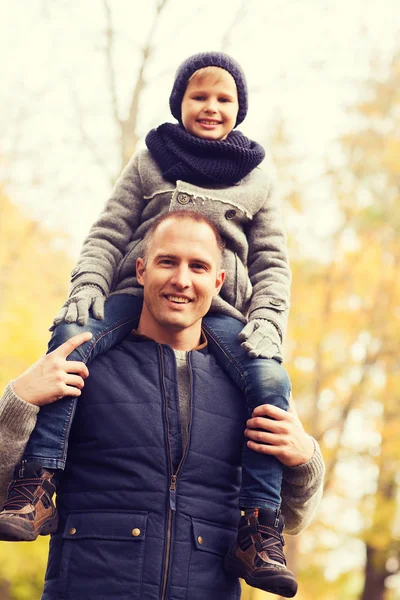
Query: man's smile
(177, 299)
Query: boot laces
(272, 541)
(22, 492)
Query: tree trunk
(5, 590)
(375, 576)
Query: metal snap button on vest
(72, 531)
(230, 213)
(136, 532)
(183, 198)
(200, 539)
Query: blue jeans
(263, 381)
(48, 443)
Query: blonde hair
(216, 73)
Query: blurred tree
(128, 133)
(344, 349)
(373, 202)
(33, 284)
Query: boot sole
(12, 532)
(275, 584)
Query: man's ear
(140, 269)
(219, 282)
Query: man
(148, 503)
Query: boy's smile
(210, 105)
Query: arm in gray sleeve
(109, 236)
(17, 420)
(268, 264)
(302, 489)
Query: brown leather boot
(29, 510)
(257, 556)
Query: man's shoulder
(131, 348)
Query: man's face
(180, 278)
(210, 106)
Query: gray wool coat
(257, 282)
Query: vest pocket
(102, 556)
(207, 577)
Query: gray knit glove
(260, 338)
(76, 308)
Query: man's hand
(282, 435)
(76, 308)
(52, 377)
(260, 338)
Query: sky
(304, 61)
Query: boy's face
(210, 105)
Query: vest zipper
(172, 486)
(174, 477)
(171, 510)
(172, 493)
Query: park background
(83, 82)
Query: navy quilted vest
(139, 521)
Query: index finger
(69, 346)
(269, 410)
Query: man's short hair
(179, 215)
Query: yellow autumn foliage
(33, 284)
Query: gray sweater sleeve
(17, 420)
(268, 264)
(302, 489)
(110, 235)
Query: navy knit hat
(199, 61)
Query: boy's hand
(260, 339)
(278, 433)
(76, 308)
(53, 376)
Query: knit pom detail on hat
(199, 61)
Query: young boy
(200, 164)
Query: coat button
(275, 302)
(72, 531)
(183, 198)
(230, 213)
(200, 539)
(136, 532)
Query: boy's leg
(258, 554)
(49, 440)
(29, 510)
(263, 381)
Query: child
(203, 165)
